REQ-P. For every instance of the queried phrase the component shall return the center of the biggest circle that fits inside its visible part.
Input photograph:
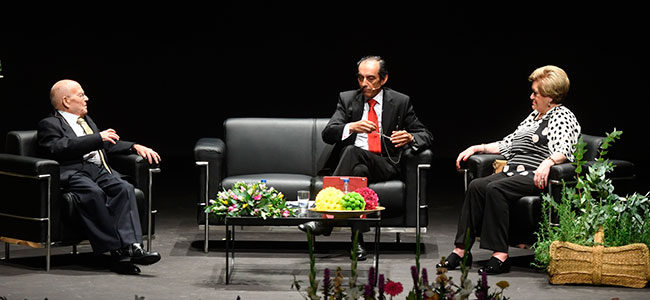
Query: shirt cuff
(346, 132)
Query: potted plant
(601, 237)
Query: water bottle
(346, 181)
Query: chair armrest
(563, 171)
(209, 149)
(413, 159)
(134, 166)
(27, 184)
(623, 169)
(210, 153)
(28, 165)
(480, 165)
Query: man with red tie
(369, 128)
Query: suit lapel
(357, 107)
(67, 129)
(387, 114)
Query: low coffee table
(231, 222)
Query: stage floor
(266, 269)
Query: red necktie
(374, 143)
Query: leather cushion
(259, 145)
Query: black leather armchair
(526, 212)
(33, 209)
(289, 153)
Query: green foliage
(590, 205)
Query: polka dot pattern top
(535, 140)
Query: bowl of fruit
(334, 203)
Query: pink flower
(393, 288)
(231, 208)
(257, 197)
(369, 196)
(285, 213)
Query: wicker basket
(627, 265)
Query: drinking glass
(303, 201)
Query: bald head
(67, 95)
(59, 90)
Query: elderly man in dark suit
(369, 128)
(106, 202)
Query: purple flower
(425, 276)
(371, 277)
(368, 291)
(380, 284)
(326, 282)
(414, 275)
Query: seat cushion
(288, 184)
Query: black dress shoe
(134, 253)
(125, 267)
(360, 252)
(453, 261)
(141, 257)
(316, 228)
(495, 266)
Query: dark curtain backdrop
(165, 77)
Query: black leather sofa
(33, 209)
(288, 153)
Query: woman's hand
(541, 174)
(467, 153)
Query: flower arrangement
(369, 196)
(380, 288)
(331, 198)
(250, 199)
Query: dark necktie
(374, 142)
(89, 130)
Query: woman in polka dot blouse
(545, 138)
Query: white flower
(353, 294)
(467, 289)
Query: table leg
(230, 251)
(377, 241)
(227, 252)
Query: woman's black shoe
(495, 266)
(453, 261)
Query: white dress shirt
(92, 156)
(362, 138)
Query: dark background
(167, 76)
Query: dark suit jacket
(397, 112)
(57, 141)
